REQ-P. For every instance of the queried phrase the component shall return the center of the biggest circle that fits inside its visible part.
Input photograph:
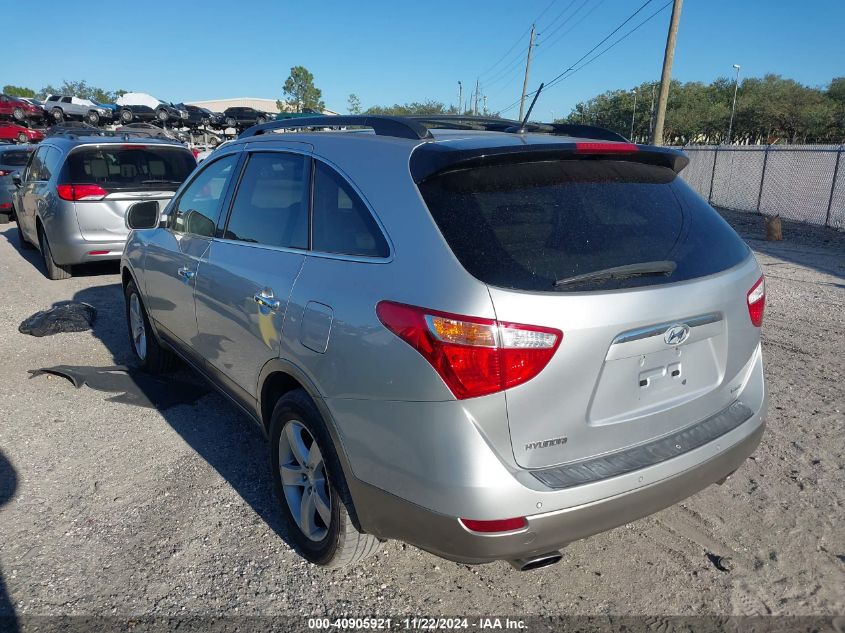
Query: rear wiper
(643, 269)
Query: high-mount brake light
(81, 193)
(757, 301)
(133, 147)
(473, 356)
(605, 148)
(496, 525)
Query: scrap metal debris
(133, 386)
(66, 316)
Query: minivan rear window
(15, 157)
(131, 166)
(532, 225)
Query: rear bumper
(68, 250)
(388, 516)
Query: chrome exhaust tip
(536, 562)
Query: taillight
(605, 148)
(757, 301)
(4, 172)
(496, 525)
(473, 356)
(81, 192)
(5, 205)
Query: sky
(396, 52)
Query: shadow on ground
(817, 247)
(229, 442)
(8, 486)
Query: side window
(37, 169)
(271, 204)
(198, 207)
(52, 163)
(342, 223)
(65, 99)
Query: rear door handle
(266, 299)
(186, 274)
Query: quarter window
(271, 204)
(198, 207)
(342, 223)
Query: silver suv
(62, 107)
(484, 341)
(71, 197)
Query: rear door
(641, 356)
(246, 278)
(122, 174)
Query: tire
(126, 116)
(338, 543)
(93, 118)
(17, 113)
(149, 353)
(161, 115)
(57, 114)
(54, 271)
(22, 138)
(230, 122)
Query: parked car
(12, 159)
(113, 107)
(241, 117)
(202, 117)
(20, 110)
(154, 131)
(139, 106)
(485, 344)
(18, 133)
(61, 107)
(72, 196)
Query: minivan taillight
(81, 192)
(473, 356)
(757, 301)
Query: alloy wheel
(304, 480)
(136, 326)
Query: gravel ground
(111, 509)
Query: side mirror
(143, 215)
(16, 179)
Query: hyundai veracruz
(487, 343)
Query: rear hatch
(107, 179)
(646, 281)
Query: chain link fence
(805, 183)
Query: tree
(82, 90)
(413, 108)
(299, 88)
(353, 104)
(18, 91)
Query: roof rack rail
(400, 127)
(76, 133)
(465, 122)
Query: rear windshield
(125, 167)
(15, 158)
(532, 225)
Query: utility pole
(651, 114)
(666, 76)
(633, 115)
(460, 97)
(733, 107)
(475, 106)
(527, 67)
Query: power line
(570, 69)
(562, 24)
(519, 40)
(595, 6)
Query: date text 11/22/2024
(418, 623)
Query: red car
(18, 109)
(19, 133)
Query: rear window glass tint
(271, 203)
(14, 158)
(342, 222)
(528, 225)
(130, 167)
